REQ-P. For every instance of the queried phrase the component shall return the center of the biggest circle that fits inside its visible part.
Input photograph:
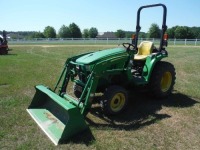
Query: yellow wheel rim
(166, 81)
(117, 102)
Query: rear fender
(150, 63)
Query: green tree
(64, 32)
(142, 35)
(190, 34)
(75, 31)
(49, 32)
(198, 37)
(120, 33)
(180, 32)
(86, 33)
(129, 34)
(171, 32)
(154, 31)
(195, 31)
(93, 32)
(37, 35)
(183, 32)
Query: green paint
(96, 56)
(150, 63)
(62, 116)
(58, 118)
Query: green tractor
(109, 73)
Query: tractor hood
(103, 54)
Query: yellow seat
(144, 49)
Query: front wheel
(115, 100)
(162, 79)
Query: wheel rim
(166, 81)
(117, 102)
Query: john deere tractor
(3, 44)
(109, 73)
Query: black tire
(162, 79)
(6, 51)
(3, 51)
(77, 93)
(114, 100)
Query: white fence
(194, 42)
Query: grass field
(173, 123)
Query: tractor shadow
(9, 54)
(85, 137)
(141, 111)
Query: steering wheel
(129, 46)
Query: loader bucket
(58, 118)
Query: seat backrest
(145, 48)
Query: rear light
(133, 36)
(165, 37)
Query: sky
(105, 15)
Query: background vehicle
(3, 44)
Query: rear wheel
(115, 100)
(162, 79)
(3, 51)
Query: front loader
(109, 73)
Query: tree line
(184, 32)
(178, 32)
(73, 31)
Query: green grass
(146, 124)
